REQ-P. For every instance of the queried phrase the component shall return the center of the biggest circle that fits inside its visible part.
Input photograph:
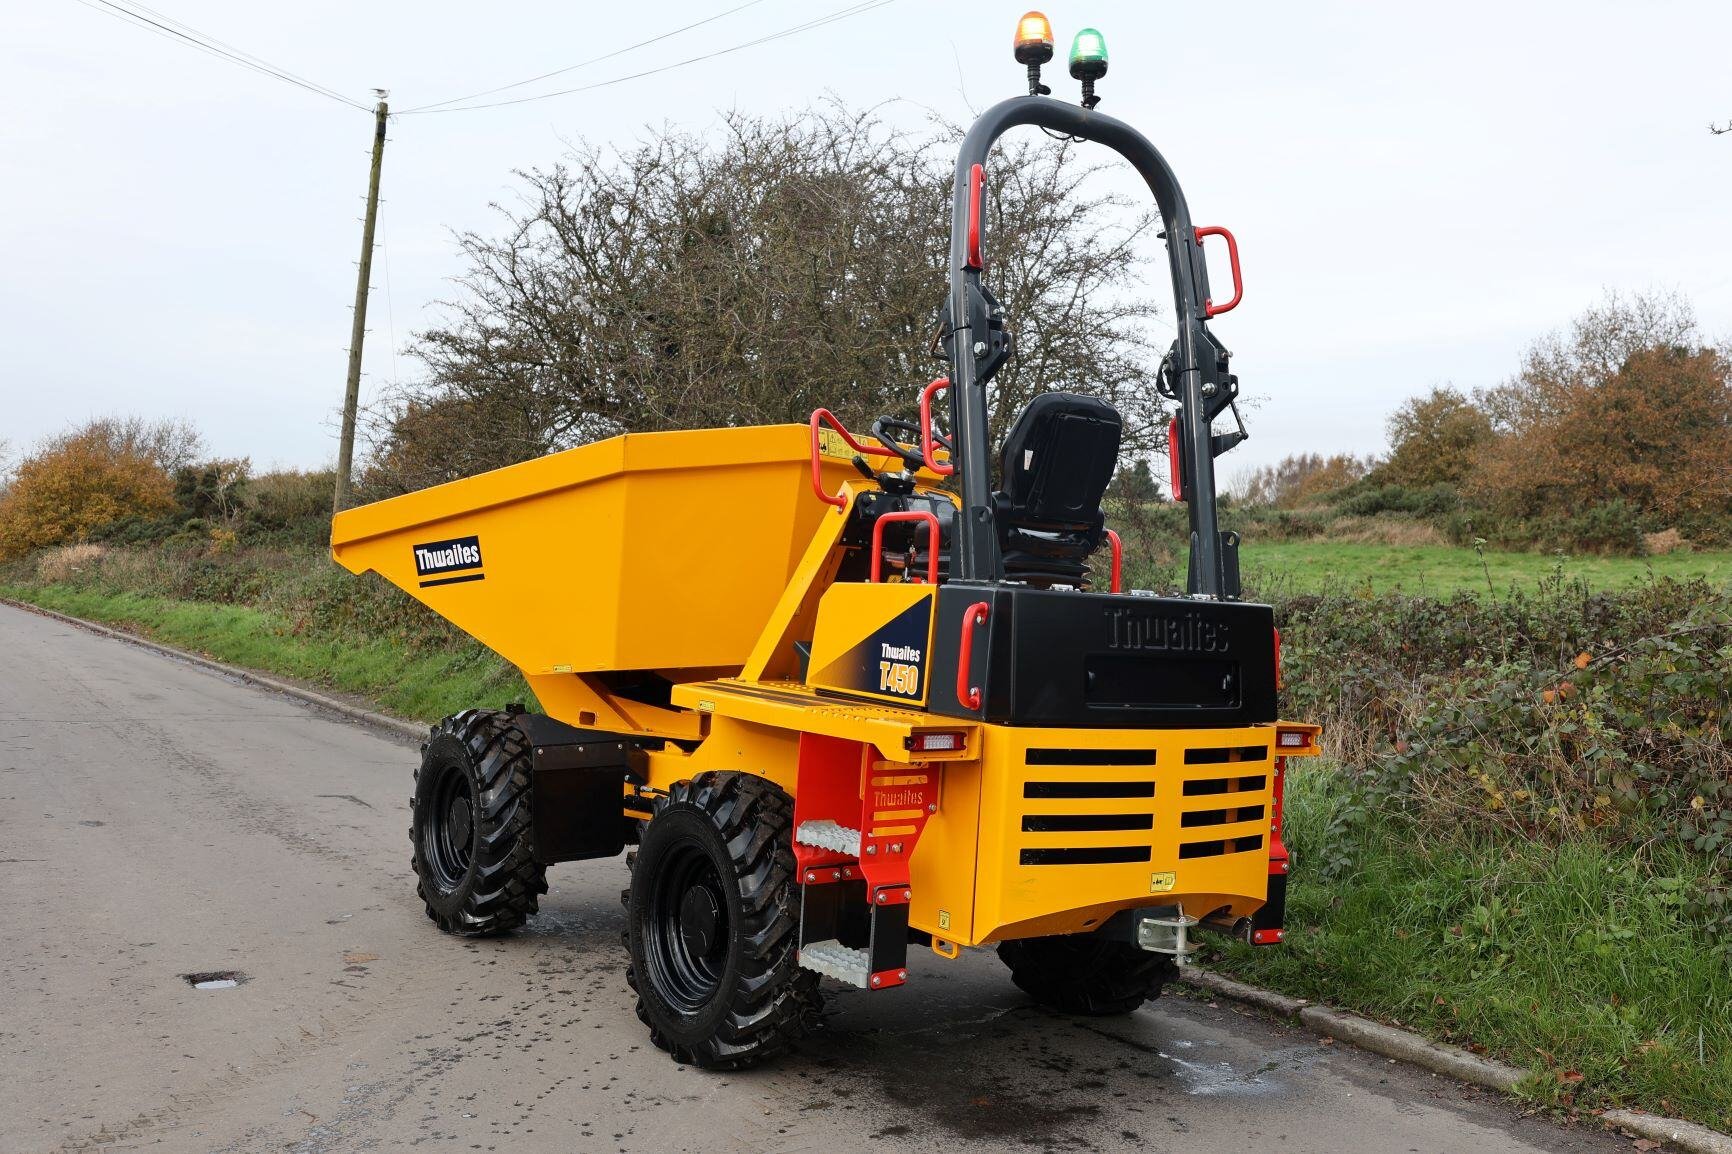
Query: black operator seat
(1055, 465)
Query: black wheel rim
(686, 938)
(448, 829)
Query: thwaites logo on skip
(448, 562)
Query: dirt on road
(158, 820)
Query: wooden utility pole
(352, 392)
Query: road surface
(158, 820)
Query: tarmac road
(157, 820)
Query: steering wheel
(882, 429)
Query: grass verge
(1572, 959)
(1441, 570)
(414, 682)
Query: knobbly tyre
(843, 704)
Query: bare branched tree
(754, 274)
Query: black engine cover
(1101, 660)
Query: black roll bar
(974, 333)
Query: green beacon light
(1088, 62)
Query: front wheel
(470, 825)
(1083, 974)
(713, 924)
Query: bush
(1369, 499)
(78, 483)
(1542, 715)
(1614, 527)
(291, 506)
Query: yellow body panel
(1014, 898)
(663, 551)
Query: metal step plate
(835, 960)
(829, 835)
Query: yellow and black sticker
(891, 662)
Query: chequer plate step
(829, 835)
(835, 960)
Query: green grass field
(1440, 570)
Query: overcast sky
(1418, 190)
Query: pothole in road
(215, 979)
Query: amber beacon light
(1034, 48)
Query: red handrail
(826, 417)
(968, 696)
(1118, 559)
(976, 180)
(1210, 308)
(931, 541)
(943, 469)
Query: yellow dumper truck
(848, 694)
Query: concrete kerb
(396, 727)
(1690, 1136)
(1445, 1060)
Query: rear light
(1175, 458)
(937, 742)
(1292, 739)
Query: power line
(840, 14)
(284, 72)
(142, 17)
(584, 63)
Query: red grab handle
(1210, 308)
(976, 184)
(1118, 559)
(941, 468)
(825, 417)
(931, 541)
(968, 696)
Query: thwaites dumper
(848, 695)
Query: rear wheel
(469, 824)
(1083, 974)
(713, 922)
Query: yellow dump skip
(662, 551)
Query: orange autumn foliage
(1630, 406)
(80, 482)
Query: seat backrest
(1057, 460)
